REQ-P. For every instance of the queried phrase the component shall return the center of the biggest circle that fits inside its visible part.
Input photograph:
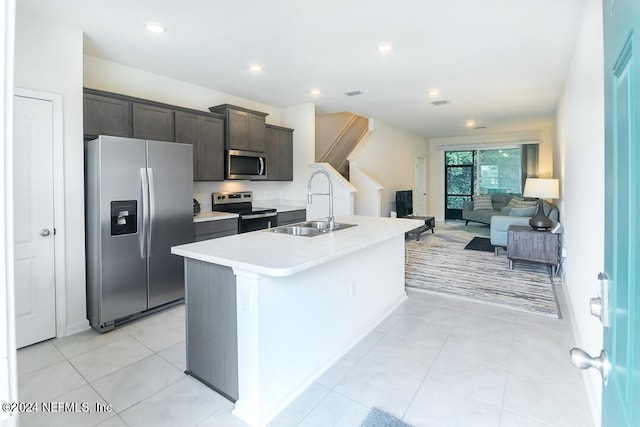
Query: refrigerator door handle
(152, 209)
(144, 185)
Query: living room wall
(437, 147)
(579, 163)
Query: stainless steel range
(250, 218)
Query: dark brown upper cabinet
(153, 122)
(244, 130)
(106, 115)
(279, 153)
(206, 134)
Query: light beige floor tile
(38, 356)
(494, 348)
(412, 357)
(470, 376)
(546, 402)
(140, 380)
(159, 331)
(176, 355)
(430, 333)
(184, 403)
(81, 407)
(340, 369)
(336, 410)
(438, 406)
(509, 419)
(223, 418)
(117, 354)
(301, 407)
(114, 421)
(45, 384)
(84, 341)
(376, 385)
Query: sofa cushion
(482, 201)
(526, 203)
(530, 211)
(514, 201)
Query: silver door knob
(582, 360)
(45, 232)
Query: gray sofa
(483, 216)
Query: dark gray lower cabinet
(212, 340)
(291, 217)
(279, 152)
(213, 229)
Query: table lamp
(541, 188)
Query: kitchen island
(268, 313)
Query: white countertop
(275, 254)
(212, 216)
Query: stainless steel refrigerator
(139, 203)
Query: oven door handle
(259, 215)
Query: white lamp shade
(542, 188)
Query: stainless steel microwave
(245, 165)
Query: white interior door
(420, 197)
(34, 221)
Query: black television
(404, 203)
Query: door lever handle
(595, 306)
(582, 360)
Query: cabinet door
(106, 116)
(151, 122)
(245, 131)
(210, 156)
(279, 152)
(256, 132)
(188, 132)
(206, 134)
(237, 130)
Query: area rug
(439, 263)
(378, 418)
(480, 244)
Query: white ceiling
(501, 63)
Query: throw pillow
(526, 203)
(531, 211)
(482, 202)
(514, 201)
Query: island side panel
(291, 329)
(212, 351)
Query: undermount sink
(310, 228)
(295, 230)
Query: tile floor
(436, 361)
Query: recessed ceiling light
(255, 68)
(314, 92)
(156, 28)
(470, 123)
(385, 47)
(433, 93)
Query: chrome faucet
(330, 194)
